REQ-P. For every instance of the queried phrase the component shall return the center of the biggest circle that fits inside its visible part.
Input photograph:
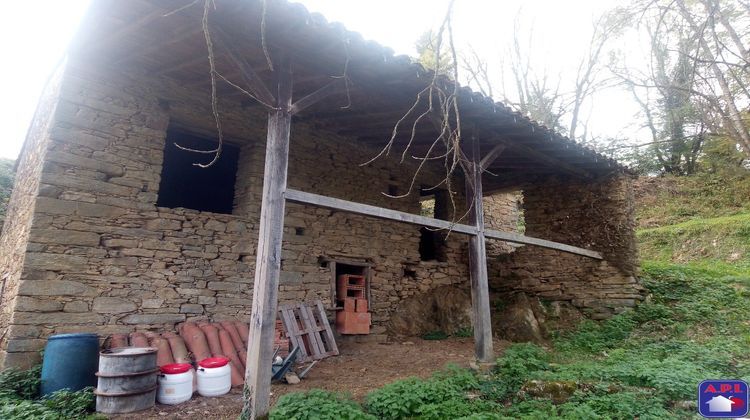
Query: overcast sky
(35, 33)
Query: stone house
(112, 228)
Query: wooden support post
(268, 262)
(480, 294)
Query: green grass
(672, 200)
(720, 239)
(645, 363)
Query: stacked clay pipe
(194, 342)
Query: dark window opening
(433, 203)
(339, 268)
(184, 184)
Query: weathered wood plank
(333, 88)
(379, 212)
(399, 216)
(268, 262)
(329, 333)
(528, 240)
(480, 293)
(313, 337)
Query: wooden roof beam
(125, 30)
(250, 76)
(491, 156)
(173, 40)
(333, 88)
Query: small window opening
(299, 231)
(410, 273)
(184, 184)
(431, 242)
(520, 217)
(357, 292)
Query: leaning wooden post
(480, 295)
(268, 262)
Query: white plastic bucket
(214, 377)
(175, 384)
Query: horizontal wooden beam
(400, 216)
(528, 240)
(374, 211)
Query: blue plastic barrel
(70, 361)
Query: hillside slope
(699, 220)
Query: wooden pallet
(308, 328)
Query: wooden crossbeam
(332, 88)
(249, 75)
(491, 156)
(374, 211)
(400, 216)
(528, 240)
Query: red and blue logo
(722, 398)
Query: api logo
(722, 398)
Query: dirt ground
(360, 368)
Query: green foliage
(720, 155)
(445, 395)
(639, 364)
(6, 184)
(427, 46)
(465, 333)
(61, 405)
(725, 238)
(18, 399)
(621, 405)
(520, 361)
(319, 405)
(22, 384)
(670, 200)
(435, 335)
(597, 336)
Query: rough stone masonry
(85, 247)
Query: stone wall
(102, 257)
(502, 212)
(20, 211)
(87, 248)
(595, 215)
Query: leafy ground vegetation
(19, 399)
(642, 364)
(646, 364)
